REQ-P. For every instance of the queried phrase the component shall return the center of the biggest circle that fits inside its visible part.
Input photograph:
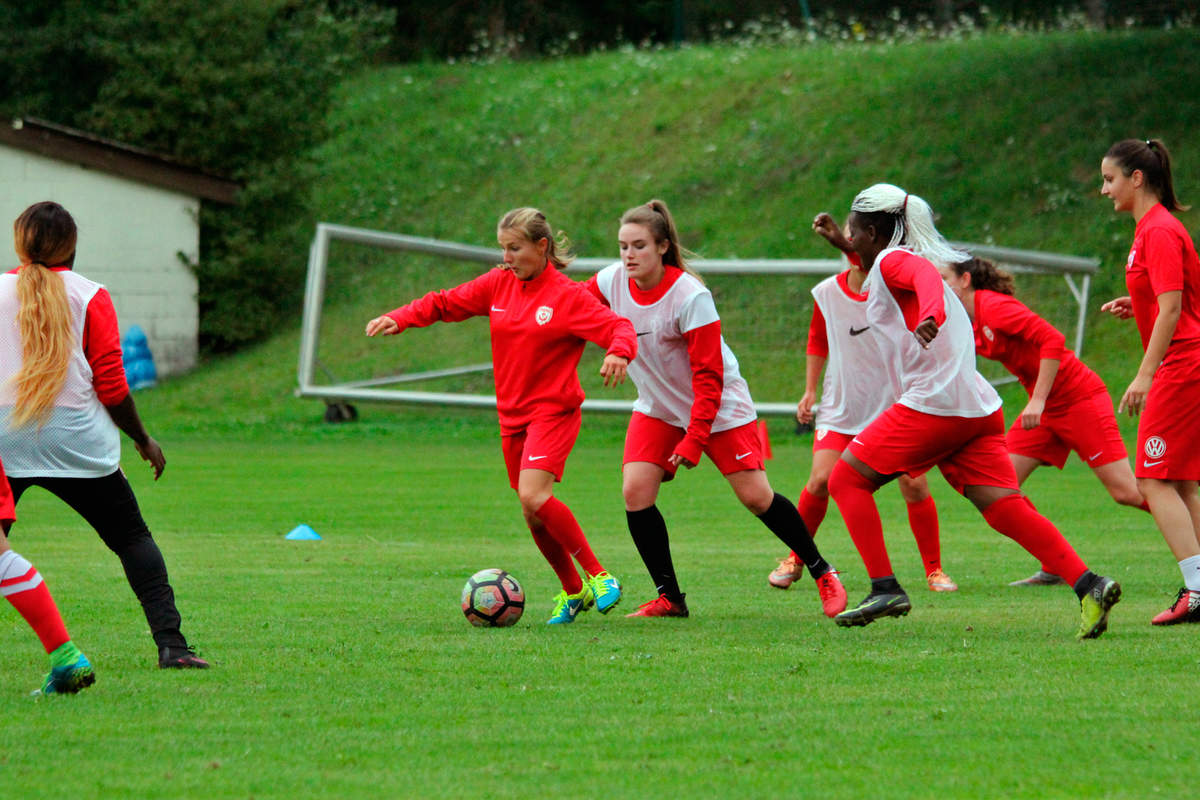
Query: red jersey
(539, 328)
(1163, 259)
(1006, 330)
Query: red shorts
(652, 440)
(969, 451)
(830, 440)
(544, 443)
(1168, 436)
(8, 509)
(1088, 426)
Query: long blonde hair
(44, 236)
(533, 226)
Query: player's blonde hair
(44, 236)
(657, 219)
(910, 219)
(533, 226)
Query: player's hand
(1119, 307)
(1031, 417)
(1134, 399)
(150, 451)
(675, 460)
(926, 332)
(804, 409)
(614, 369)
(382, 325)
(825, 225)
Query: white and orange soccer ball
(493, 598)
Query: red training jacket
(539, 328)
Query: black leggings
(109, 506)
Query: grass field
(345, 665)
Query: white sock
(1190, 567)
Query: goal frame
(1075, 270)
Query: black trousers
(109, 506)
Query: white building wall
(130, 235)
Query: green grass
(345, 665)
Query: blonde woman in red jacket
(540, 321)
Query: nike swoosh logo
(1153, 463)
(536, 458)
(1094, 457)
(743, 455)
(645, 333)
(856, 331)
(497, 309)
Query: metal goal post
(1076, 271)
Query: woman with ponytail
(691, 401)
(540, 321)
(62, 402)
(1069, 407)
(1162, 275)
(945, 415)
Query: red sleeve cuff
(689, 449)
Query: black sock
(886, 585)
(785, 522)
(649, 532)
(1085, 583)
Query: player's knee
(818, 486)
(845, 479)
(638, 497)
(531, 501)
(1128, 498)
(757, 502)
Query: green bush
(239, 89)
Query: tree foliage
(463, 28)
(239, 89)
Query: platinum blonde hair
(914, 228)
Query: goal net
(355, 274)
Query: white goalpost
(1075, 271)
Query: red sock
(22, 585)
(558, 558)
(923, 519)
(1016, 518)
(853, 494)
(561, 524)
(812, 510)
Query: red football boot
(833, 594)
(662, 606)
(1186, 608)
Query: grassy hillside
(1002, 134)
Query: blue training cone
(303, 533)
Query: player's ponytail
(907, 220)
(44, 236)
(985, 275)
(1152, 158)
(657, 219)
(533, 226)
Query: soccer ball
(493, 598)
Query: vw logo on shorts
(1155, 447)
